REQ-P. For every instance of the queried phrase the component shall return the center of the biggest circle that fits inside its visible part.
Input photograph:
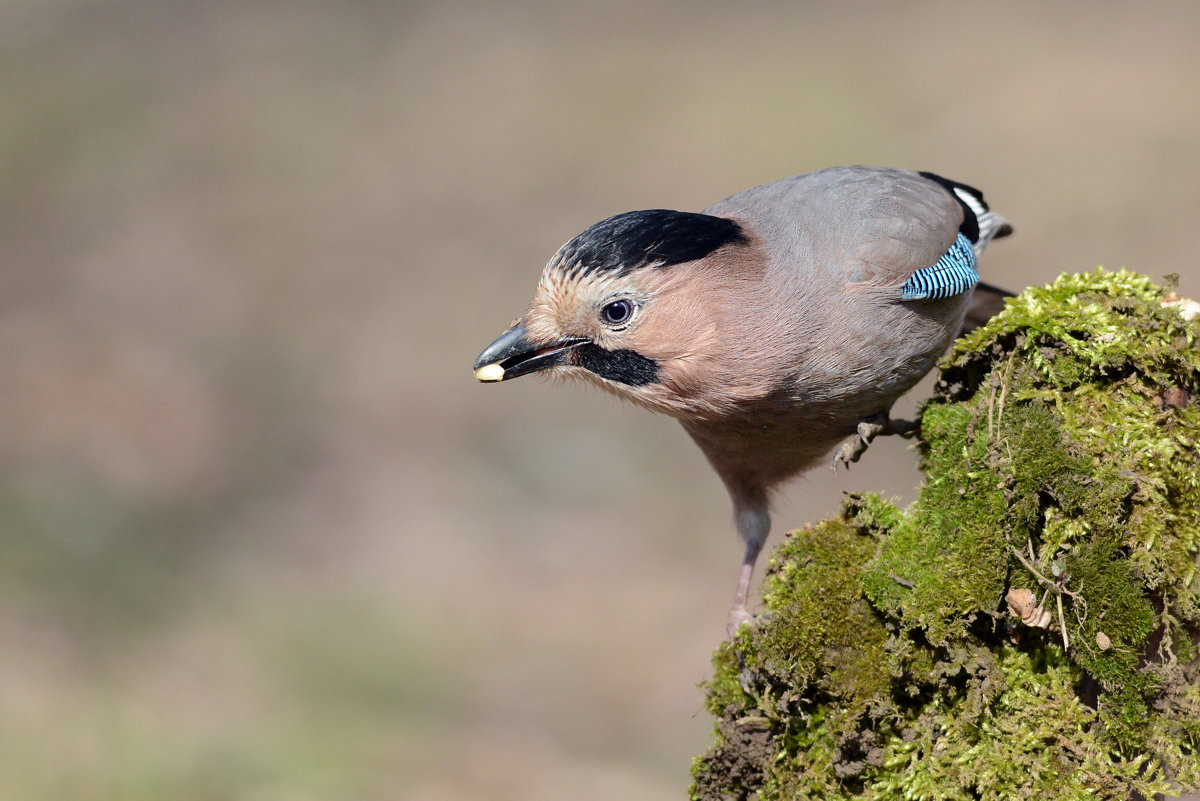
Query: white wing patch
(973, 203)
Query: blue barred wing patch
(953, 274)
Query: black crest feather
(654, 237)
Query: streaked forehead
(650, 238)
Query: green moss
(1060, 458)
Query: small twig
(1081, 606)
(1059, 588)
(1012, 359)
(1045, 581)
(1062, 624)
(991, 407)
(1045, 595)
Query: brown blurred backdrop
(263, 537)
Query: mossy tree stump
(1027, 628)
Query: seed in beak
(490, 372)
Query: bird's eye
(617, 312)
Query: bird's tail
(991, 226)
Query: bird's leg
(738, 614)
(753, 522)
(868, 429)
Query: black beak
(512, 355)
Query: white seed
(490, 372)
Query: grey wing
(868, 226)
(906, 226)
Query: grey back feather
(852, 225)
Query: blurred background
(262, 535)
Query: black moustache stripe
(623, 366)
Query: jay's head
(633, 304)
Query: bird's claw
(849, 452)
(856, 446)
(868, 429)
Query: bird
(776, 326)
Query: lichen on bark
(1028, 626)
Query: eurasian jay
(774, 325)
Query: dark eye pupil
(617, 312)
